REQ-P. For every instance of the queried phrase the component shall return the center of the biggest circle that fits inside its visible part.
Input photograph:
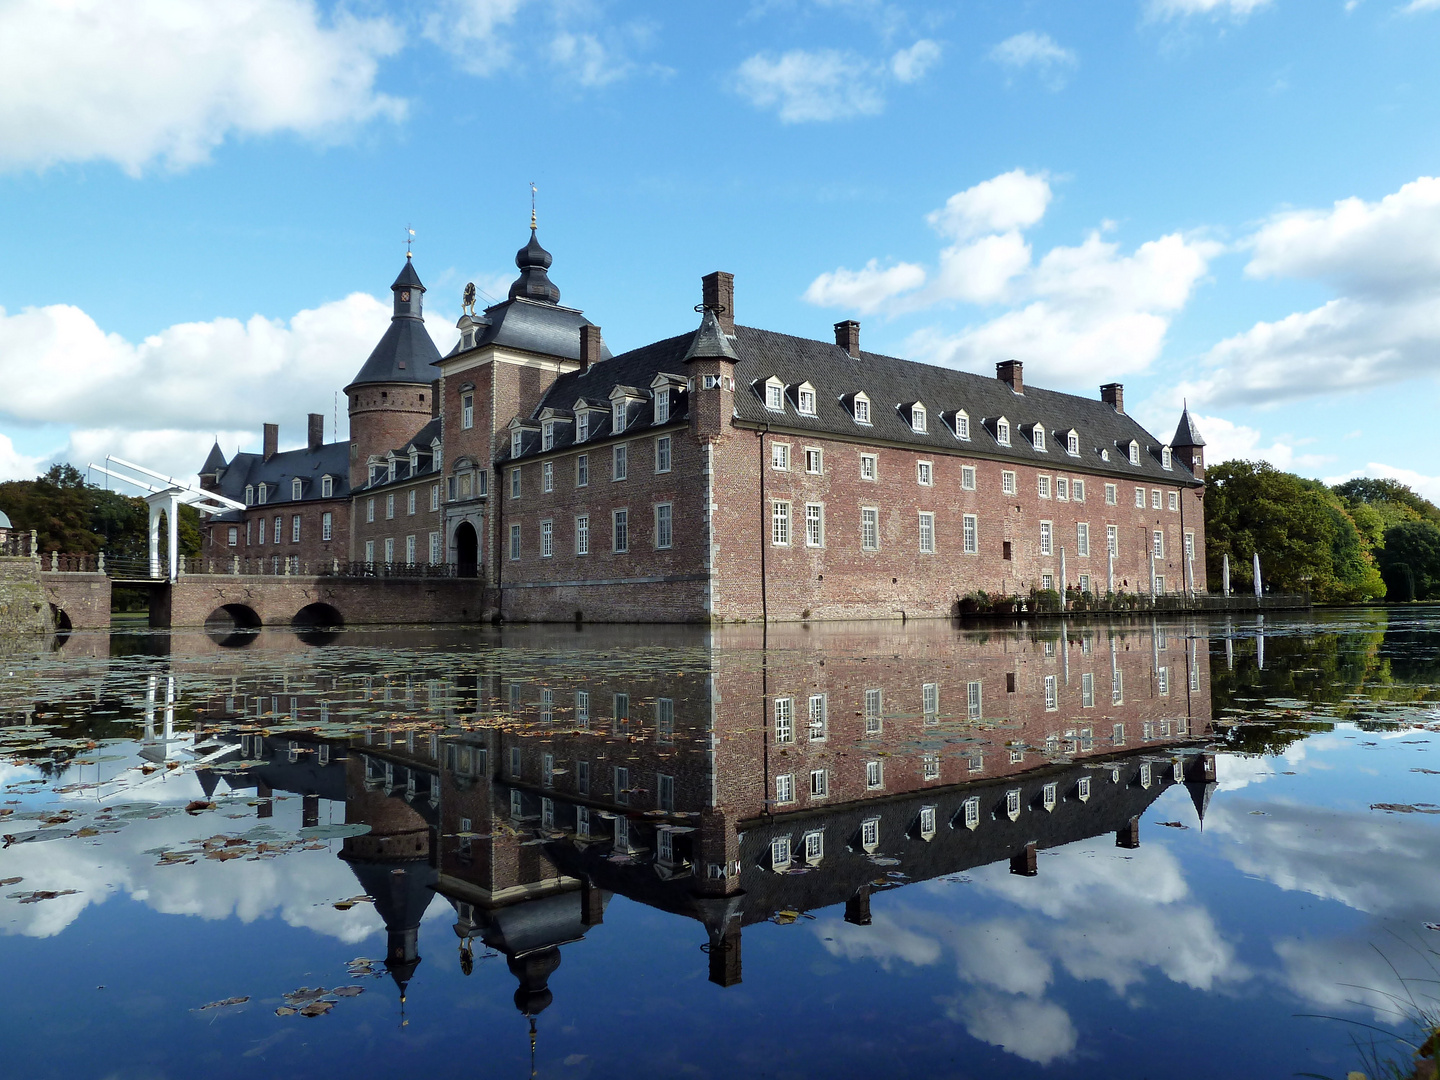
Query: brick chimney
(718, 294)
(434, 398)
(1113, 394)
(847, 336)
(316, 430)
(1011, 372)
(272, 440)
(589, 347)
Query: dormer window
(263, 492)
(917, 419)
(391, 469)
(662, 405)
(1002, 431)
(295, 488)
(327, 487)
(516, 437)
(1037, 438)
(435, 457)
(1167, 459)
(414, 461)
(1072, 444)
(862, 409)
(1104, 455)
(805, 399)
(775, 395)
(1134, 452)
(547, 436)
(617, 420)
(374, 473)
(962, 425)
(249, 494)
(582, 425)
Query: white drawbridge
(165, 495)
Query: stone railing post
(235, 565)
(34, 545)
(100, 562)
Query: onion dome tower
(390, 397)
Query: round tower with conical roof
(392, 397)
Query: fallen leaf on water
(222, 1004)
(198, 805)
(10, 881)
(317, 1008)
(1402, 808)
(36, 897)
(284, 1010)
(348, 991)
(1173, 825)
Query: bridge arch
(233, 625)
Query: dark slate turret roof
(214, 461)
(892, 385)
(710, 341)
(547, 329)
(1187, 434)
(332, 459)
(408, 278)
(534, 283)
(406, 351)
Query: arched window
(862, 409)
(1166, 458)
(1134, 452)
(295, 488)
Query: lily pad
(334, 832)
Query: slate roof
(426, 465)
(403, 355)
(890, 383)
(214, 461)
(1187, 434)
(532, 326)
(277, 473)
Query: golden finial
(533, 189)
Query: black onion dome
(533, 283)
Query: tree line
(74, 517)
(1365, 539)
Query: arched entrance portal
(467, 550)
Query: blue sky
(1225, 200)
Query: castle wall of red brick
(84, 599)
(312, 550)
(360, 601)
(382, 417)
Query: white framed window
(1158, 543)
(1084, 588)
(1037, 438)
(930, 767)
(582, 425)
(814, 846)
(434, 496)
(233, 536)
(517, 441)
(1047, 539)
(1117, 691)
(295, 488)
(1087, 690)
(547, 539)
(621, 781)
(819, 722)
(869, 469)
(814, 525)
(389, 506)
(930, 701)
(925, 473)
(278, 520)
(1173, 500)
(1134, 452)
(917, 419)
(514, 483)
(780, 523)
(1017, 755)
(662, 405)
(547, 435)
(295, 529)
(582, 470)
(514, 543)
(969, 524)
(664, 792)
(1077, 490)
(971, 808)
(874, 709)
(434, 549)
(1112, 539)
(1111, 492)
(780, 456)
(1012, 803)
(862, 409)
(1082, 789)
(547, 476)
(617, 415)
(1043, 486)
(784, 720)
(805, 399)
(780, 849)
(582, 534)
(1007, 482)
(1167, 459)
(1002, 431)
(874, 775)
(1162, 681)
(467, 410)
(662, 454)
(665, 720)
(1062, 489)
(1155, 498)
(962, 425)
(1082, 539)
(264, 493)
(1047, 582)
(814, 460)
(1049, 795)
(819, 783)
(1140, 498)
(1189, 544)
(369, 547)
(620, 530)
(973, 699)
(249, 495)
(582, 720)
(1072, 444)
(663, 525)
(620, 461)
(927, 534)
(775, 395)
(869, 528)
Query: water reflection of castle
(732, 784)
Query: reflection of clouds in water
(1038, 1031)
(1374, 970)
(1096, 914)
(299, 887)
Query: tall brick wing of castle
(725, 473)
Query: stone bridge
(252, 601)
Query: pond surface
(1146, 848)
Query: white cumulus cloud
(1037, 52)
(169, 80)
(15, 465)
(805, 85)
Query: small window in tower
(467, 410)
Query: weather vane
(467, 304)
(533, 189)
(409, 235)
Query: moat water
(1180, 848)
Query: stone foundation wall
(24, 608)
(83, 599)
(360, 601)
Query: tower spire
(533, 189)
